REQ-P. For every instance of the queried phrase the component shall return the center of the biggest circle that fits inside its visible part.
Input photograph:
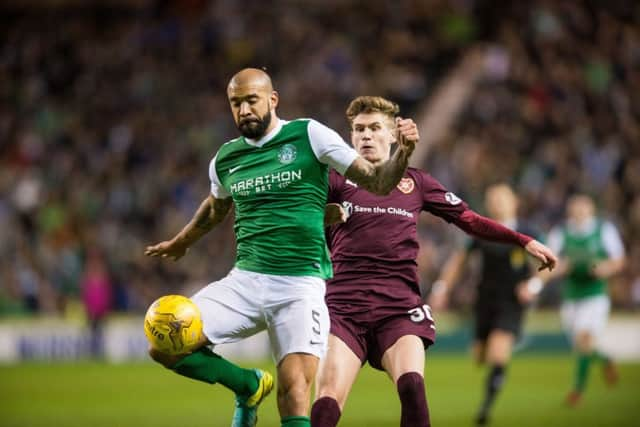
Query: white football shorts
(291, 308)
(585, 315)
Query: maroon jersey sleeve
(488, 229)
(443, 203)
(439, 201)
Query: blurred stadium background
(111, 110)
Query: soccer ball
(173, 325)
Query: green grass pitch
(146, 395)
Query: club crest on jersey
(406, 185)
(287, 154)
(452, 198)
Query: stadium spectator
(97, 295)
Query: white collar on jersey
(268, 137)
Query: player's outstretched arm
(488, 229)
(383, 178)
(210, 213)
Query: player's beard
(255, 128)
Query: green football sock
(582, 371)
(295, 421)
(204, 365)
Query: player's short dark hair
(371, 104)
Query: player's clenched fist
(407, 132)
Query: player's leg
(404, 362)
(337, 372)
(497, 324)
(230, 311)
(296, 372)
(399, 347)
(588, 318)
(483, 324)
(479, 351)
(575, 322)
(207, 366)
(609, 369)
(298, 325)
(583, 344)
(568, 315)
(600, 308)
(498, 353)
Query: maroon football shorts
(369, 334)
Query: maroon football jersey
(374, 252)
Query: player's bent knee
(294, 391)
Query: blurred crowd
(109, 117)
(556, 113)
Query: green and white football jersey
(584, 247)
(279, 188)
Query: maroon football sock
(325, 412)
(415, 412)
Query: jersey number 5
(418, 314)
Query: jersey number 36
(418, 314)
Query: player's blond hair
(372, 104)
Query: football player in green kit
(591, 251)
(276, 176)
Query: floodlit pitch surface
(147, 395)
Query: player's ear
(274, 98)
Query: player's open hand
(407, 132)
(166, 249)
(543, 253)
(334, 213)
